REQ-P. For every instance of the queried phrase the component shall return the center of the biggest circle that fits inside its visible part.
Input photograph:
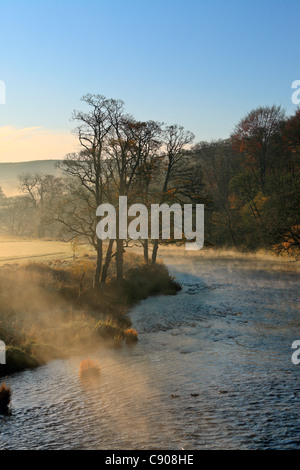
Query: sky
(203, 64)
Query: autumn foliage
(252, 183)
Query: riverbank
(212, 370)
(50, 310)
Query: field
(24, 250)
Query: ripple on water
(212, 370)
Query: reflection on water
(212, 370)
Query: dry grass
(24, 250)
(131, 335)
(109, 329)
(89, 368)
(5, 397)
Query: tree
(218, 165)
(176, 138)
(43, 190)
(132, 161)
(86, 169)
(254, 136)
(18, 215)
(282, 208)
(114, 146)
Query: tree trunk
(107, 262)
(146, 250)
(230, 228)
(119, 260)
(154, 252)
(98, 264)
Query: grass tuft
(89, 368)
(109, 329)
(131, 335)
(5, 398)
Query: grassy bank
(50, 310)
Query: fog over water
(212, 370)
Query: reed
(89, 368)
(131, 335)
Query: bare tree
(119, 155)
(43, 190)
(86, 168)
(176, 138)
(131, 164)
(17, 215)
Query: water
(212, 370)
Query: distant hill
(9, 173)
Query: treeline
(249, 183)
(28, 214)
(252, 183)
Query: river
(212, 370)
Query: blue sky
(199, 63)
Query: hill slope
(9, 173)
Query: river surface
(212, 370)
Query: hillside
(9, 173)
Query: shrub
(82, 273)
(148, 280)
(89, 368)
(108, 329)
(59, 275)
(5, 397)
(131, 335)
